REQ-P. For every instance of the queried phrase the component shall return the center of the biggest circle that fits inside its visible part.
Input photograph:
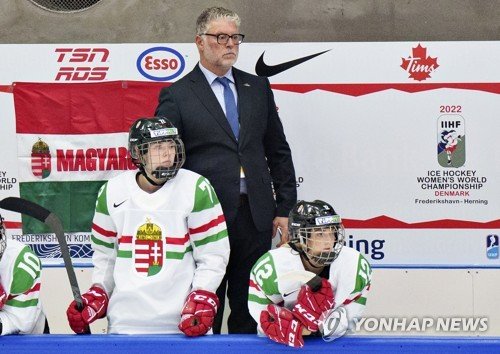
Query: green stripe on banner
(17, 303)
(218, 236)
(72, 202)
(259, 300)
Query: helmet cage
(321, 244)
(144, 134)
(162, 173)
(318, 230)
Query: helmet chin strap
(303, 255)
(150, 180)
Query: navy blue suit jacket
(213, 151)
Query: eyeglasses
(223, 38)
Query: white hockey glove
(333, 323)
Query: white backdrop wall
(399, 137)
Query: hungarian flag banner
(71, 139)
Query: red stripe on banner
(12, 225)
(140, 251)
(366, 89)
(103, 232)
(177, 240)
(125, 239)
(208, 225)
(254, 285)
(139, 260)
(91, 108)
(385, 222)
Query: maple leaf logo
(419, 65)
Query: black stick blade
(24, 206)
(315, 283)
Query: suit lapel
(204, 92)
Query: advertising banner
(399, 137)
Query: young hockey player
(20, 309)
(160, 243)
(284, 306)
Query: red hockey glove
(3, 296)
(198, 313)
(311, 304)
(95, 305)
(279, 324)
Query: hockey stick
(291, 282)
(38, 212)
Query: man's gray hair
(215, 13)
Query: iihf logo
(492, 246)
(451, 140)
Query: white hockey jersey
(20, 277)
(277, 276)
(152, 250)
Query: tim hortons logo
(82, 64)
(419, 65)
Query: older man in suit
(234, 137)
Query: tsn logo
(85, 70)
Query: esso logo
(160, 64)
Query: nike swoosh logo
(290, 293)
(117, 205)
(262, 69)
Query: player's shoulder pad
(26, 270)
(204, 195)
(363, 273)
(101, 205)
(264, 273)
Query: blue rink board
(111, 344)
